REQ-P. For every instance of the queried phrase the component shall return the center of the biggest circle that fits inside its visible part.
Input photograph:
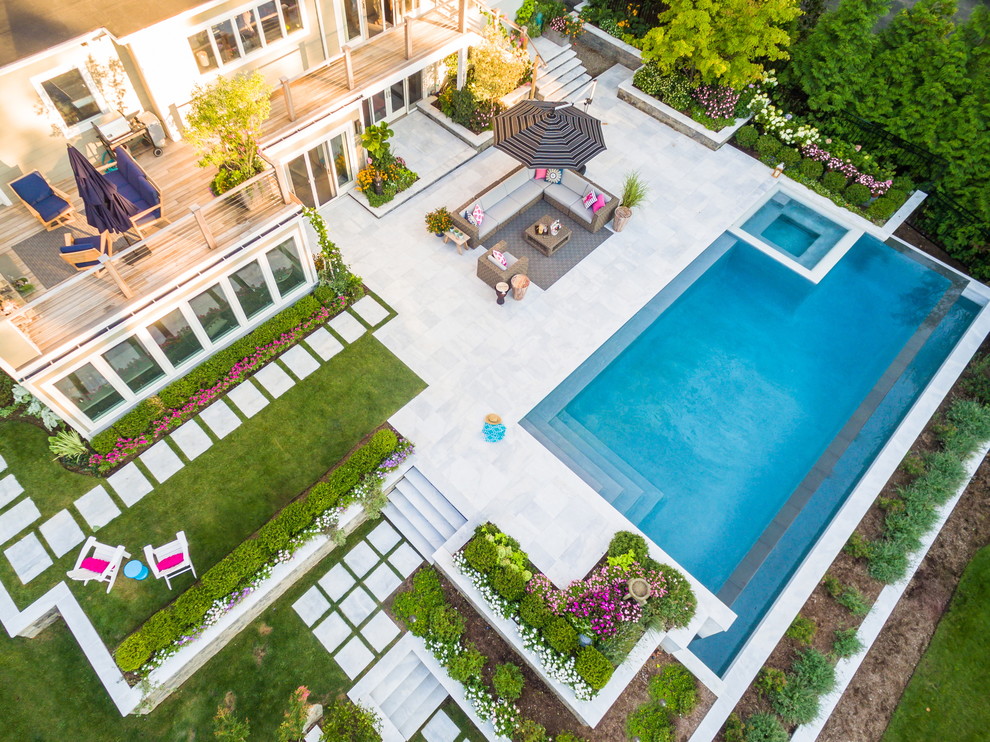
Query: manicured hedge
(187, 613)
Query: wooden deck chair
(170, 560)
(48, 204)
(98, 562)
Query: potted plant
(438, 221)
(634, 192)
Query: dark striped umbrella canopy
(542, 133)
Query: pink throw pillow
(599, 203)
(478, 214)
(498, 256)
(589, 198)
(94, 565)
(541, 173)
(170, 561)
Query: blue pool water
(789, 226)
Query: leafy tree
(346, 721)
(497, 66)
(831, 63)
(720, 41)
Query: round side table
(135, 569)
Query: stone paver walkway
(191, 439)
(17, 518)
(441, 729)
(97, 507)
(274, 380)
(28, 558)
(347, 326)
(130, 484)
(370, 310)
(325, 344)
(10, 489)
(248, 399)
(300, 361)
(161, 461)
(220, 418)
(62, 533)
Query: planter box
(480, 142)
(613, 49)
(675, 119)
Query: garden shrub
(651, 723)
(857, 194)
(618, 646)
(814, 670)
(770, 680)
(138, 420)
(747, 136)
(677, 607)
(273, 534)
(812, 169)
(561, 635)
(888, 561)
(968, 426)
(796, 703)
(132, 652)
(790, 157)
(834, 181)
(765, 728)
(509, 583)
(897, 197)
(675, 685)
(593, 667)
(674, 90)
(854, 601)
(568, 737)
(533, 610)
(882, 209)
(481, 554)
(857, 547)
(802, 630)
(846, 643)
(446, 624)
(190, 607)
(160, 630)
(832, 586)
(912, 464)
(508, 681)
(624, 542)
(768, 146)
(6, 389)
(530, 731)
(346, 721)
(975, 384)
(734, 729)
(466, 665)
(105, 441)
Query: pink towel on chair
(169, 562)
(94, 565)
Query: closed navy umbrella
(106, 209)
(542, 133)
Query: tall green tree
(831, 64)
(720, 41)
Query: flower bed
(357, 479)
(185, 397)
(715, 107)
(381, 182)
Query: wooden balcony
(65, 315)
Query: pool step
(422, 514)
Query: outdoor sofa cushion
(33, 188)
(50, 207)
(94, 565)
(170, 561)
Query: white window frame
(350, 145)
(287, 36)
(70, 130)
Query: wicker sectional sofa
(518, 190)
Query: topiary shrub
(796, 703)
(747, 136)
(770, 680)
(508, 681)
(593, 668)
(624, 542)
(834, 181)
(790, 157)
(446, 624)
(467, 664)
(676, 608)
(768, 146)
(105, 441)
(530, 731)
(897, 197)
(132, 653)
(676, 686)
(560, 635)
(765, 728)
(846, 643)
(882, 209)
(509, 583)
(533, 610)
(651, 723)
(812, 169)
(481, 554)
(802, 630)
(857, 194)
(346, 721)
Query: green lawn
(945, 699)
(49, 693)
(225, 494)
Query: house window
(175, 337)
(286, 268)
(214, 313)
(133, 364)
(72, 97)
(90, 391)
(229, 39)
(251, 289)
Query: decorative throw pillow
(470, 217)
(94, 565)
(599, 203)
(170, 561)
(589, 198)
(499, 258)
(553, 175)
(478, 214)
(541, 173)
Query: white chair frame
(93, 548)
(179, 546)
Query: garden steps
(395, 676)
(422, 514)
(564, 76)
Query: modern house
(92, 344)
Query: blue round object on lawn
(135, 569)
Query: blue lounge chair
(134, 184)
(49, 205)
(84, 253)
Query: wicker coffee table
(547, 243)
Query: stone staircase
(422, 514)
(564, 77)
(403, 689)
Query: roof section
(28, 26)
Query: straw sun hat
(493, 419)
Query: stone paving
(191, 439)
(370, 310)
(300, 361)
(130, 484)
(220, 419)
(17, 518)
(10, 489)
(62, 533)
(97, 507)
(28, 558)
(274, 380)
(347, 326)
(161, 461)
(325, 344)
(248, 399)
(441, 729)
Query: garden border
(609, 46)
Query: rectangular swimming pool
(712, 418)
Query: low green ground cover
(942, 701)
(229, 491)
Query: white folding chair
(98, 562)
(171, 559)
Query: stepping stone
(336, 582)
(314, 735)
(347, 326)
(358, 606)
(97, 508)
(17, 519)
(3, 464)
(10, 488)
(275, 381)
(332, 631)
(311, 605)
(62, 532)
(383, 538)
(247, 398)
(28, 558)
(406, 560)
(192, 439)
(161, 461)
(300, 361)
(370, 310)
(130, 484)
(441, 729)
(382, 582)
(361, 559)
(325, 344)
(221, 418)
(380, 631)
(354, 657)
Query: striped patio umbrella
(542, 133)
